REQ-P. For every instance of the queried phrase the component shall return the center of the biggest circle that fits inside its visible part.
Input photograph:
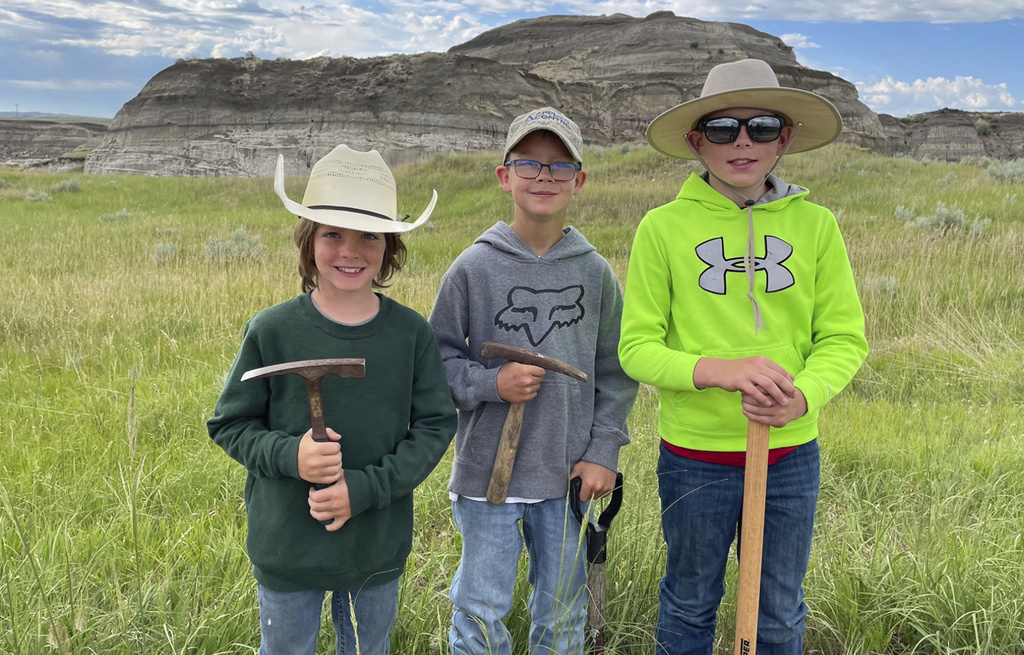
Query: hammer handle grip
(755, 483)
(497, 490)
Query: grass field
(121, 305)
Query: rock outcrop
(612, 74)
(31, 142)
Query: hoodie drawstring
(749, 261)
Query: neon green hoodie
(683, 302)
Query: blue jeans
(483, 585)
(290, 621)
(701, 507)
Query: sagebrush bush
(238, 247)
(66, 186)
(1007, 172)
(949, 219)
(36, 196)
(164, 253)
(121, 216)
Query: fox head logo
(538, 312)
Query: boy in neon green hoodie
(786, 332)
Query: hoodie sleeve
(471, 382)
(643, 347)
(614, 391)
(837, 329)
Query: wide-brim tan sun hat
(748, 83)
(350, 189)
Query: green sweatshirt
(396, 424)
(686, 298)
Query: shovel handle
(755, 483)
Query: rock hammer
(497, 489)
(313, 372)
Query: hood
(503, 238)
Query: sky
(89, 57)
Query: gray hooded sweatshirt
(566, 304)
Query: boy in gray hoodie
(541, 286)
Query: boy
(540, 286)
(788, 335)
(352, 532)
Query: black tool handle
(597, 535)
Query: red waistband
(738, 458)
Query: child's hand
(331, 503)
(519, 383)
(597, 481)
(760, 378)
(774, 414)
(320, 461)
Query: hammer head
(312, 369)
(494, 350)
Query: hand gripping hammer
(497, 490)
(313, 372)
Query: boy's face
(544, 198)
(744, 163)
(347, 261)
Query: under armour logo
(538, 312)
(712, 253)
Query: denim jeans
(701, 507)
(483, 585)
(290, 621)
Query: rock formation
(48, 143)
(612, 74)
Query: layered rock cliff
(612, 74)
(46, 142)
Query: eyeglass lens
(762, 129)
(529, 169)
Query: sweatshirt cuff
(288, 456)
(360, 497)
(816, 393)
(604, 450)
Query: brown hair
(395, 254)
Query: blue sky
(89, 57)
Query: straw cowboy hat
(350, 189)
(747, 83)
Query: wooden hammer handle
(497, 490)
(755, 483)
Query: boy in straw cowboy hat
(740, 305)
(541, 286)
(353, 536)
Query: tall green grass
(122, 526)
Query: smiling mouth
(348, 270)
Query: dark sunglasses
(726, 129)
(530, 170)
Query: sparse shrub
(1008, 172)
(886, 287)
(37, 196)
(238, 247)
(976, 160)
(66, 186)
(694, 44)
(121, 216)
(164, 253)
(624, 149)
(3, 182)
(1008, 200)
(949, 219)
(904, 214)
(946, 181)
(983, 127)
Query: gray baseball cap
(550, 119)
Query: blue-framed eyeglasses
(530, 170)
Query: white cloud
(891, 96)
(798, 41)
(70, 85)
